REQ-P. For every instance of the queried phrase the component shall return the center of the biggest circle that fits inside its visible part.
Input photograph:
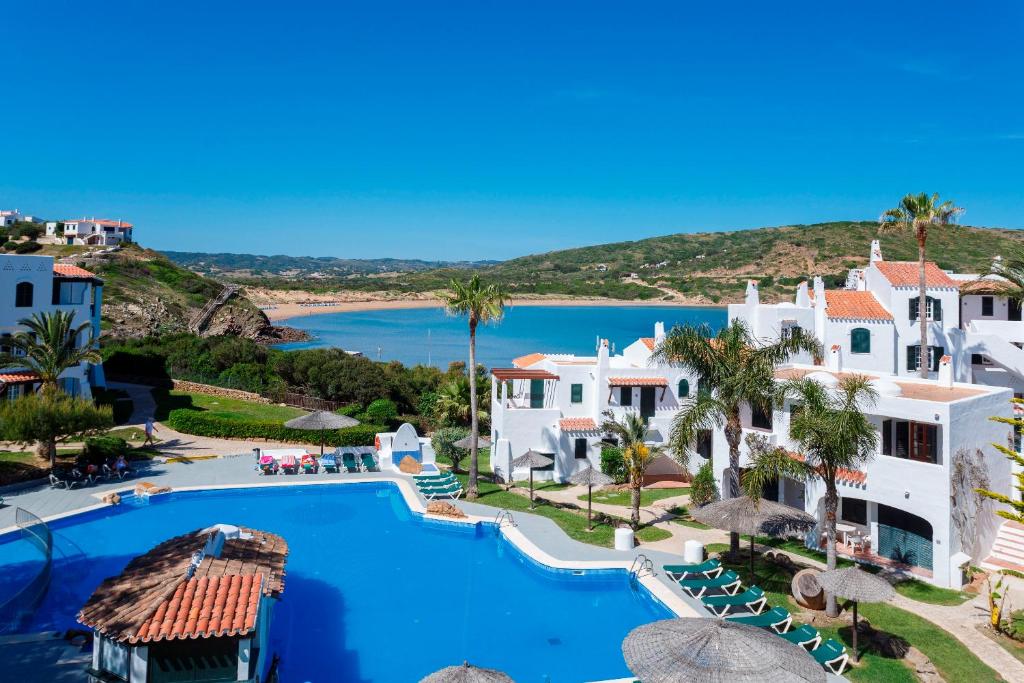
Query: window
(581, 449)
(70, 385)
(626, 396)
(886, 437)
(934, 311)
(986, 306)
(684, 388)
(704, 440)
(577, 393)
(977, 359)
(916, 441)
(789, 330)
(69, 293)
(914, 357)
(760, 418)
(855, 511)
(860, 340)
(23, 295)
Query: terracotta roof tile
(68, 270)
(648, 342)
(528, 360)
(207, 606)
(577, 424)
(637, 382)
(906, 274)
(851, 305)
(18, 377)
(843, 475)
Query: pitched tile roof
(18, 377)
(637, 382)
(648, 342)
(906, 274)
(850, 305)
(68, 270)
(153, 598)
(101, 221)
(577, 424)
(843, 475)
(528, 360)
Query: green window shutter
(860, 340)
(937, 352)
(912, 313)
(936, 309)
(626, 396)
(577, 393)
(684, 388)
(913, 352)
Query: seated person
(121, 465)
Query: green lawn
(129, 434)
(925, 592)
(544, 486)
(218, 406)
(624, 498)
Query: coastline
(289, 310)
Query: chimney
(819, 291)
(659, 332)
(946, 372)
(876, 251)
(602, 354)
(803, 299)
(835, 358)
(753, 298)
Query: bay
(429, 336)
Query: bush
(27, 247)
(351, 410)
(200, 424)
(613, 464)
(11, 246)
(443, 442)
(382, 411)
(703, 489)
(100, 449)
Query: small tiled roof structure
(842, 304)
(528, 360)
(577, 424)
(502, 374)
(156, 598)
(637, 382)
(986, 286)
(20, 377)
(906, 274)
(67, 270)
(649, 342)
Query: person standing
(150, 428)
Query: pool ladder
(642, 566)
(505, 516)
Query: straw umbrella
(590, 478)
(466, 442)
(853, 583)
(744, 515)
(715, 651)
(531, 459)
(322, 421)
(467, 673)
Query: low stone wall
(197, 388)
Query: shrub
(703, 489)
(351, 410)
(11, 246)
(200, 424)
(443, 442)
(613, 464)
(27, 247)
(382, 411)
(100, 449)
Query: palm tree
(832, 433)
(636, 455)
(48, 346)
(919, 213)
(480, 303)
(454, 404)
(734, 369)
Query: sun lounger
(368, 462)
(832, 655)
(439, 481)
(310, 464)
(728, 581)
(330, 463)
(83, 477)
(268, 465)
(289, 464)
(776, 618)
(709, 569)
(349, 461)
(109, 472)
(58, 482)
(805, 635)
(752, 598)
(451, 493)
(447, 486)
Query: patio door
(646, 402)
(536, 393)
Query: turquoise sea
(429, 336)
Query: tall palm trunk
(634, 518)
(922, 305)
(474, 465)
(831, 507)
(733, 435)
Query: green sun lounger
(440, 489)
(369, 463)
(452, 493)
(708, 568)
(776, 619)
(805, 635)
(832, 655)
(434, 479)
(349, 461)
(752, 598)
(728, 581)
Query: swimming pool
(372, 591)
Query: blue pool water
(429, 336)
(372, 591)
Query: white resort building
(90, 231)
(35, 284)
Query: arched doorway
(904, 537)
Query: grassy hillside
(321, 267)
(714, 267)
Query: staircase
(1007, 549)
(200, 321)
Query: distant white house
(8, 218)
(90, 231)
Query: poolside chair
(436, 481)
(309, 464)
(433, 478)
(805, 635)
(753, 599)
(451, 494)
(708, 568)
(440, 488)
(776, 619)
(83, 477)
(268, 465)
(290, 464)
(831, 655)
(369, 462)
(56, 482)
(349, 461)
(329, 463)
(728, 582)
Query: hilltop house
(194, 608)
(90, 231)
(35, 284)
(8, 218)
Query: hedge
(197, 423)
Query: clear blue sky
(490, 130)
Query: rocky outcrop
(444, 509)
(197, 388)
(410, 465)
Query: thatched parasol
(590, 478)
(745, 515)
(467, 673)
(466, 442)
(715, 651)
(853, 583)
(322, 421)
(531, 459)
